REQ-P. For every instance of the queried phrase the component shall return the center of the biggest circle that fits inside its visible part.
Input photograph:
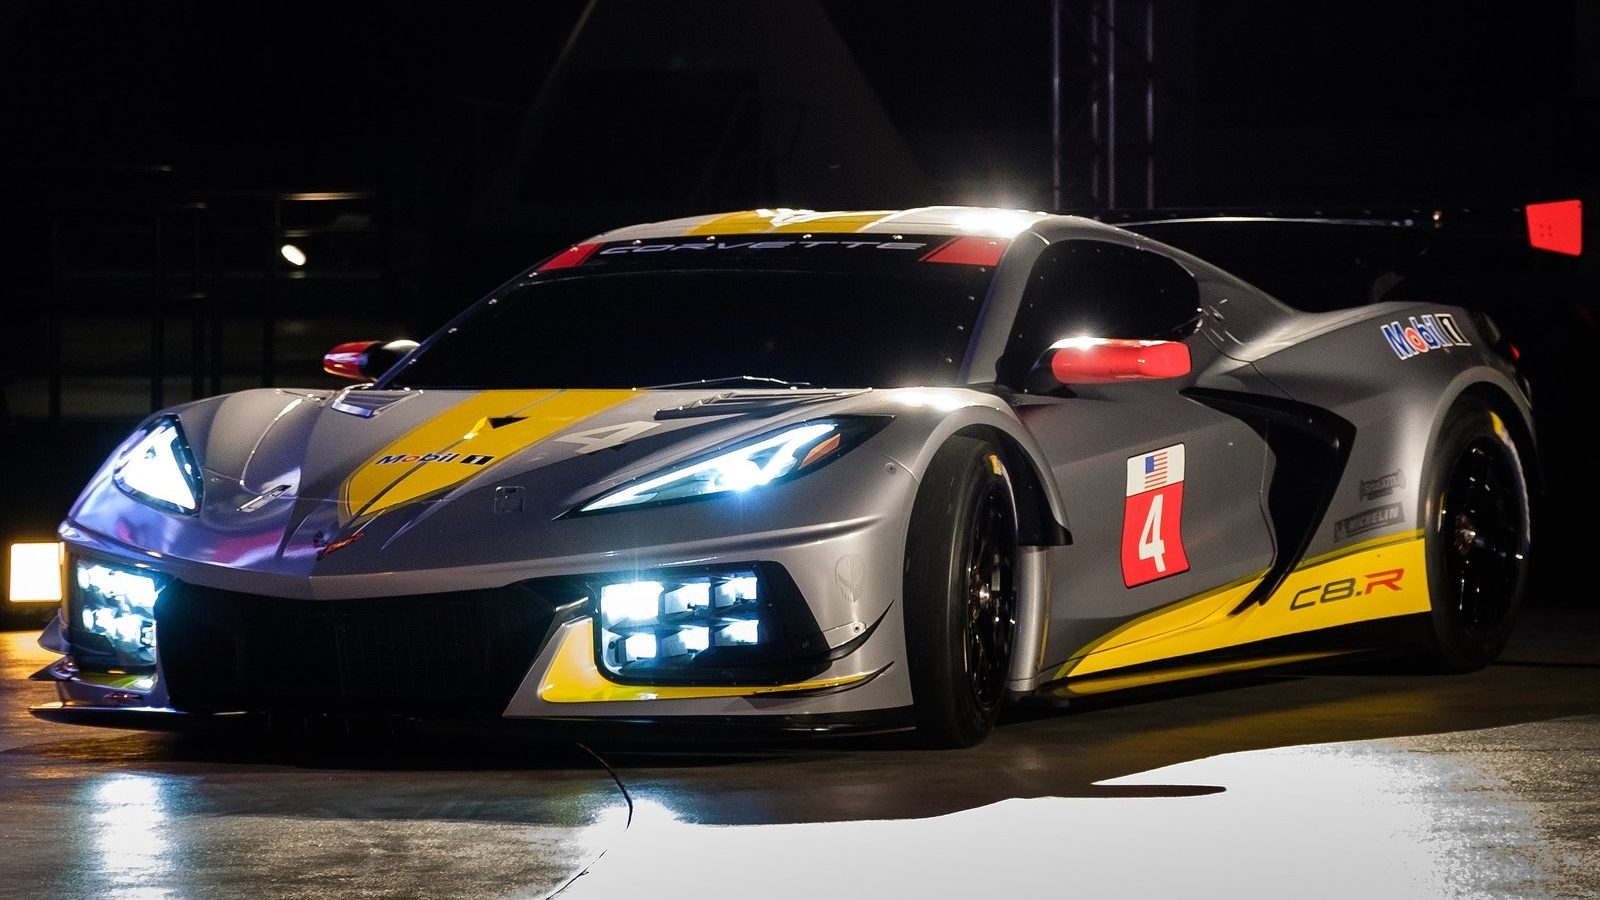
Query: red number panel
(1152, 517)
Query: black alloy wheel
(991, 618)
(1478, 538)
(1482, 518)
(961, 593)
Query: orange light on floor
(35, 572)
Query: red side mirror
(1109, 360)
(364, 360)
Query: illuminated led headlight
(760, 462)
(159, 469)
(654, 628)
(112, 612)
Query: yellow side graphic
(1175, 616)
(463, 441)
(573, 677)
(1121, 681)
(1375, 579)
(762, 221)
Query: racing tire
(1477, 534)
(960, 593)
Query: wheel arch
(1036, 521)
(1489, 387)
(1037, 531)
(1499, 399)
(1448, 647)
(915, 441)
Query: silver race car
(813, 471)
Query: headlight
(159, 469)
(111, 613)
(765, 460)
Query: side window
(1101, 290)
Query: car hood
(294, 477)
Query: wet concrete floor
(1364, 781)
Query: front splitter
(631, 729)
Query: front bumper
(522, 650)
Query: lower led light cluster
(648, 627)
(113, 612)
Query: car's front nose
(469, 608)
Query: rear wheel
(1477, 538)
(960, 590)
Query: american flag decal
(1156, 469)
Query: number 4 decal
(1152, 515)
(1151, 546)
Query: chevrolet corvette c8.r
(814, 471)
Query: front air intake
(459, 653)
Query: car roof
(952, 220)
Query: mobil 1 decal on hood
(1152, 517)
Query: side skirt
(1379, 637)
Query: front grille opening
(459, 653)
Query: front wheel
(960, 593)
(1477, 538)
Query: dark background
(158, 154)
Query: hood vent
(750, 403)
(364, 402)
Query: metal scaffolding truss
(1103, 103)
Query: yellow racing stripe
(830, 223)
(573, 677)
(463, 441)
(1376, 579)
(762, 221)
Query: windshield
(826, 310)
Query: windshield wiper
(728, 379)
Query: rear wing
(1319, 260)
(1555, 226)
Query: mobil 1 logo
(1423, 334)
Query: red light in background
(1557, 226)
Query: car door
(1164, 491)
